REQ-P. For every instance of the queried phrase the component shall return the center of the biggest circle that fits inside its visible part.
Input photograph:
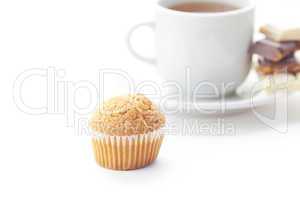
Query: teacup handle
(146, 59)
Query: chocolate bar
(288, 65)
(274, 51)
(281, 34)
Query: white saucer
(228, 105)
(248, 96)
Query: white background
(42, 158)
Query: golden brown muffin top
(127, 115)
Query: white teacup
(204, 53)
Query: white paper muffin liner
(126, 152)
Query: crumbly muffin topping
(127, 115)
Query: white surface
(42, 158)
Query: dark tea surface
(207, 7)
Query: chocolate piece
(274, 51)
(265, 70)
(281, 34)
(288, 65)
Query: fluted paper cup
(126, 152)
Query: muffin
(127, 132)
